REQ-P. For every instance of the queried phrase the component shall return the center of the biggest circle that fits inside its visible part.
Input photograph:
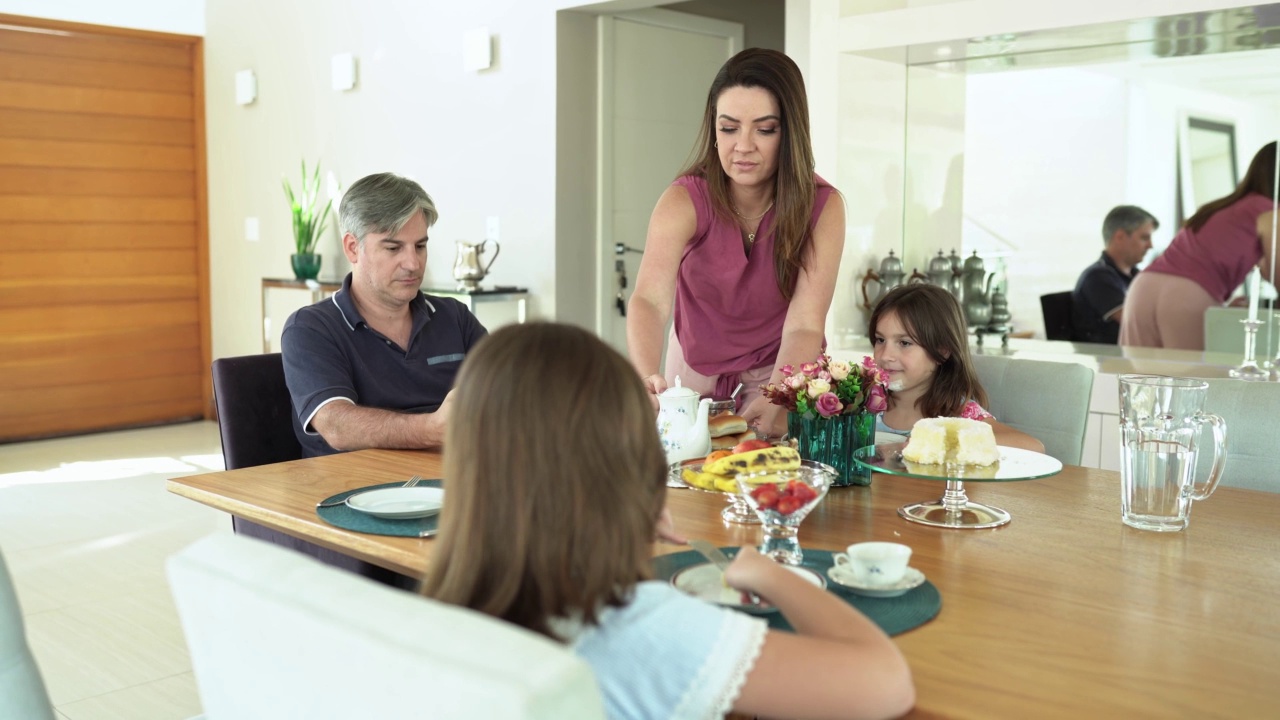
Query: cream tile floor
(86, 525)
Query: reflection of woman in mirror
(1205, 263)
(744, 246)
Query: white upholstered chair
(22, 691)
(1046, 400)
(275, 634)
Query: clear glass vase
(832, 441)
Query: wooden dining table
(1064, 612)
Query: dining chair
(22, 692)
(256, 421)
(1253, 455)
(273, 634)
(1047, 400)
(1057, 309)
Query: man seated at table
(371, 366)
(1097, 303)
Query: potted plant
(307, 223)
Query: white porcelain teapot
(682, 423)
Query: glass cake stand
(954, 509)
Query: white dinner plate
(399, 503)
(706, 582)
(911, 580)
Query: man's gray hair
(1127, 218)
(383, 203)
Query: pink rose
(828, 405)
(824, 375)
(810, 369)
(795, 382)
(868, 362)
(787, 370)
(876, 400)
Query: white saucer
(911, 579)
(399, 503)
(705, 581)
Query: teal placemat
(348, 519)
(894, 615)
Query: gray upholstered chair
(22, 692)
(1046, 400)
(1253, 454)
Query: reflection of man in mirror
(1098, 299)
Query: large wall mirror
(1016, 146)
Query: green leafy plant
(307, 223)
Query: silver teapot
(977, 288)
(467, 269)
(889, 277)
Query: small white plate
(911, 580)
(706, 582)
(399, 503)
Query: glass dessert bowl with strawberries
(782, 498)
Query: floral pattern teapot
(682, 423)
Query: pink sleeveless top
(1220, 254)
(728, 309)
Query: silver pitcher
(467, 269)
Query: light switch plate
(477, 49)
(491, 228)
(343, 71)
(246, 87)
(251, 229)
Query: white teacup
(875, 564)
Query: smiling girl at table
(919, 338)
(556, 480)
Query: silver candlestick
(1249, 370)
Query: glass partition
(1015, 147)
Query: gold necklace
(751, 236)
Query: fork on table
(411, 482)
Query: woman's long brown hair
(1260, 178)
(554, 479)
(794, 186)
(932, 317)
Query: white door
(655, 69)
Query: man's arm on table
(347, 426)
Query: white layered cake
(959, 441)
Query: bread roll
(727, 442)
(722, 425)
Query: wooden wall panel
(18, 237)
(103, 283)
(41, 125)
(98, 47)
(64, 182)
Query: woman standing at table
(1205, 263)
(747, 241)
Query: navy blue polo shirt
(332, 355)
(1099, 291)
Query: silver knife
(712, 553)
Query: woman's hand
(769, 420)
(655, 384)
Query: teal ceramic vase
(306, 266)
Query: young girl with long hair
(920, 339)
(556, 480)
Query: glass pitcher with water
(1161, 419)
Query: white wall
(176, 16)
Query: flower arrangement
(831, 387)
(307, 223)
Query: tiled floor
(86, 524)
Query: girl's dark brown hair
(794, 185)
(554, 479)
(1260, 178)
(932, 317)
